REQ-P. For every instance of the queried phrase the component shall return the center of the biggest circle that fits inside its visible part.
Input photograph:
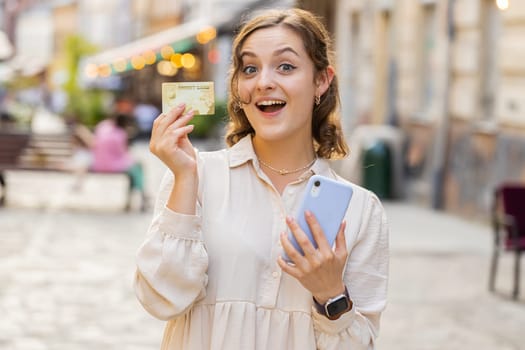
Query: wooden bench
(24, 151)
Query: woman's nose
(266, 80)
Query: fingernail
(181, 105)
(308, 213)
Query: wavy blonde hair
(327, 133)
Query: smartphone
(328, 200)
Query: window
(490, 32)
(426, 67)
(355, 52)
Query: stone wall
(483, 138)
(478, 162)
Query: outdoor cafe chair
(508, 220)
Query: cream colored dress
(214, 276)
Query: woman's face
(277, 84)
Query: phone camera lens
(317, 183)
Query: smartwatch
(335, 307)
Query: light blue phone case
(328, 200)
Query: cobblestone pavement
(438, 292)
(66, 282)
(67, 263)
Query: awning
(21, 66)
(181, 36)
(106, 65)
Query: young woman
(212, 262)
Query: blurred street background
(432, 104)
(66, 267)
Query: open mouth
(270, 106)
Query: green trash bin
(377, 169)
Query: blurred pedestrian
(81, 158)
(125, 105)
(7, 121)
(145, 114)
(212, 261)
(111, 153)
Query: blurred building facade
(128, 47)
(167, 40)
(451, 75)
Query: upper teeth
(270, 102)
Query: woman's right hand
(169, 141)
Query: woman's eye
(286, 67)
(249, 70)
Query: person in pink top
(111, 152)
(110, 148)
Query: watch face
(337, 306)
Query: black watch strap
(341, 303)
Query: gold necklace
(286, 171)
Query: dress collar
(242, 152)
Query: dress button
(275, 274)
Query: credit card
(198, 96)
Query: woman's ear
(324, 80)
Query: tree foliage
(85, 104)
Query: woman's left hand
(319, 270)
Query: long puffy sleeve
(172, 262)
(366, 277)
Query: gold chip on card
(198, 96)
